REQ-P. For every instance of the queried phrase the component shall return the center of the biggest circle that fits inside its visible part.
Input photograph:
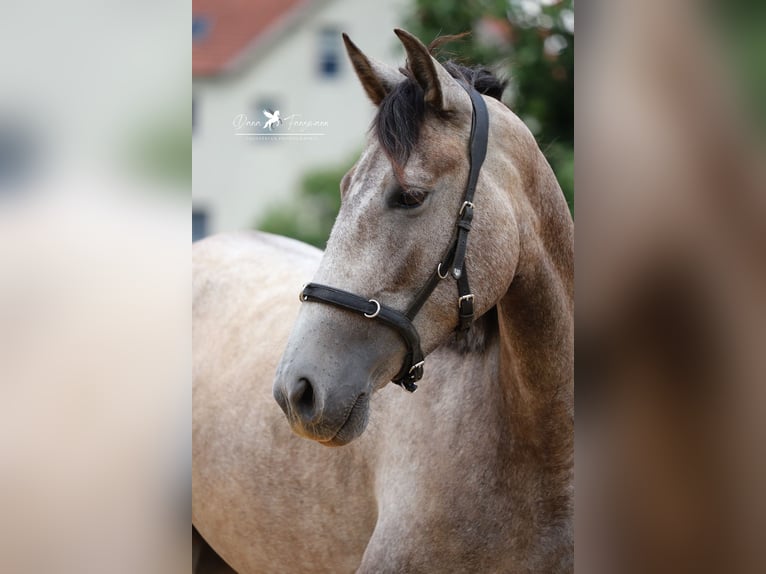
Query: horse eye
(410, 198)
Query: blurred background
(670, 287)
(95, 194)
(251, 57)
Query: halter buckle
(468, 297)
(301, 296)
(465, 312)
(463, 207)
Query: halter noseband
(453, 262)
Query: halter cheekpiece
(452, 263)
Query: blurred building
(252, 59)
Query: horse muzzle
(332, 422)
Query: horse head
(397, 221)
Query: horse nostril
(302, 398)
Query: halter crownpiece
(453, 262)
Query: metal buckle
(377, 311)
(465, 204)
(415, 366)
(301, 296)
(460, 300)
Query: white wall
(236, 178)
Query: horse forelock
(399, 120)
(403, 110)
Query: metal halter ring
(465, 204)
(375, 314)
(301, 296)
(416, 365)
(439, 272)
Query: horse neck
(536, 328)
(521, 384)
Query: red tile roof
(226, 28)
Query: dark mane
(402, 112)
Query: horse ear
(442, 91)
(377, 78)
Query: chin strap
(452, 263)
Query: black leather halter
(453, 262)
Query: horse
(305, 459)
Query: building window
(200, 28)
(330, 52)
(199, 224)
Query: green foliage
(740, 26)
(310, 217)
(530, 44)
